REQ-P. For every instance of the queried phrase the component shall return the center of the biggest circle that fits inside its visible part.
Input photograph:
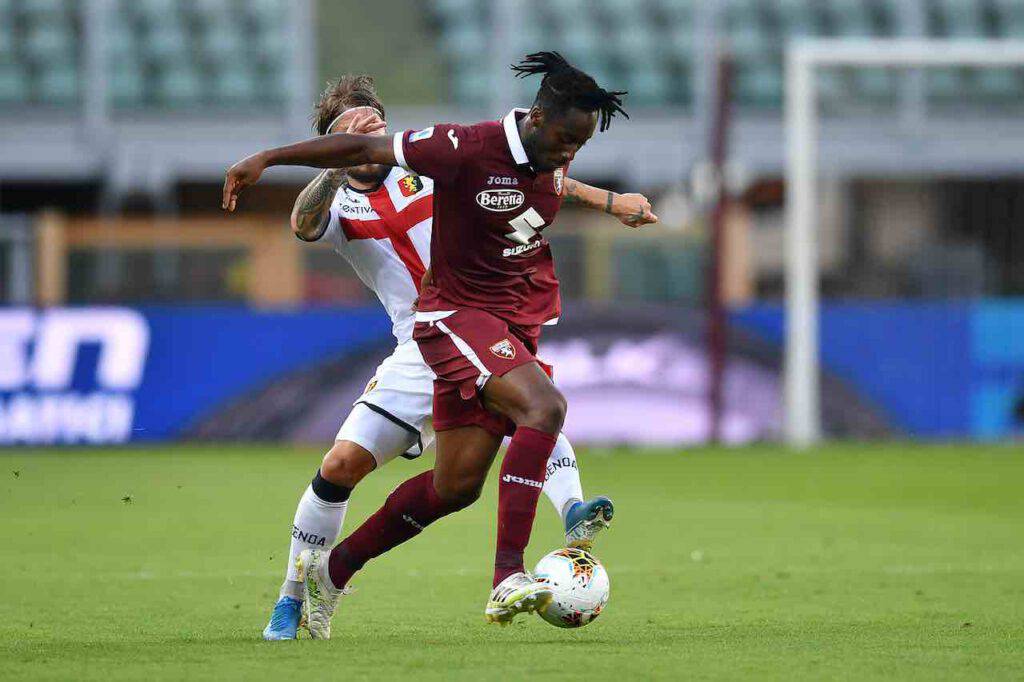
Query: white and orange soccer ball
(580, 586)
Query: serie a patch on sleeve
(421, 134)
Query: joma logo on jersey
(504, 349)
(502, 180)
(409, 185)
(500, 199)
(509, 478)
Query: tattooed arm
(632, 210)
(311, 212)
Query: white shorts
(393, 416)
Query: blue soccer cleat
(585, 520)
(284, 621)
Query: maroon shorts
(464, 349)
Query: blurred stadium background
(133, 310)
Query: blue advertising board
(114, 374)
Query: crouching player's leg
(463, 459)
(365, 440)
(583, 520)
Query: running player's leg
(464, 455)
(527, 396)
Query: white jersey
(385, 236)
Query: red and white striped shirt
(385, 236)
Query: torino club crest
(504, 349)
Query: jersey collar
(515, 143)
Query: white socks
(317, 525)
(562, 484)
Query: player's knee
(460, 493)
(547, 412)
(346, 464)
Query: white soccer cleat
(321, 596)
(518, 593)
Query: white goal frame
(802, 397)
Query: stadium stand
(648, 46)
(158, 53)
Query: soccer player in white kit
(379, 219)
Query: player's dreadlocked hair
(564, 86)
(347, 92)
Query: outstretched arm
(632, 210)
(340, 150)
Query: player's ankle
(338, 570)
(291, 588)
(567, 507)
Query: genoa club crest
(409, 185)
(559, 175)
(504, 349)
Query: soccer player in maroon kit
(498, 184)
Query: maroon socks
(412, 506)
(519, 487)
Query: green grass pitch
(854, 562)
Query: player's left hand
(633, 210)
(245, 172)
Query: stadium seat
(472, 85)
(50, 42)
(156, 11)
(7, 44)
(126, 83)
(944, 84)
(13, 84)
(998, 84)
(876, 84)
(680, 41)
(956, 19)
(121, 42)
(464, 41)
(178, 85)
(796, 18)
(1010, 15)
(759, 83)
(58, 85)
(647, 86)
(236, 83)
(168, 42)
(36, 10)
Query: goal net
(925, 108)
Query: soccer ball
(580, 586)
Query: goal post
(802, 398)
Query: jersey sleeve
(437, 152)
(330, 231)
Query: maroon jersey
(490, 208)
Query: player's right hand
(633, 210)
(368, 123)
(245, 172)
